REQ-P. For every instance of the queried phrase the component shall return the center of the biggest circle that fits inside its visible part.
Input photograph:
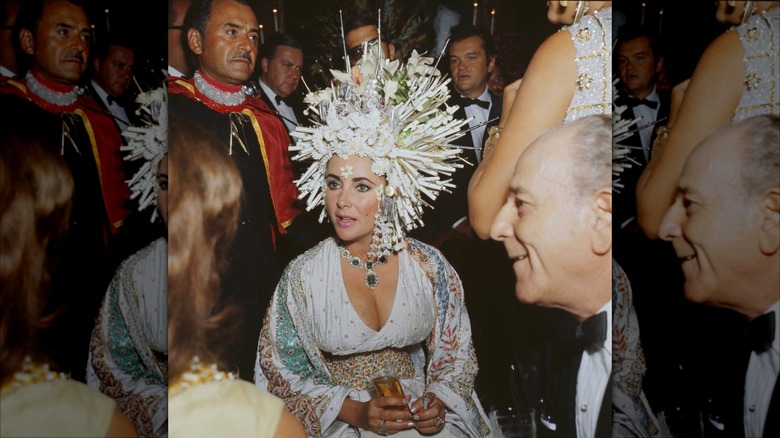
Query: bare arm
(710, 100)
(121, 426)
(544, 95)
(289, 426)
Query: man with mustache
(55, 37)
(223, 37)
(725, 228)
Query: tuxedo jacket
(625, 204)
(560, 366)
(449, 207)
(294, 100)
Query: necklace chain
(371, 278)
(198, 374)
(32, 373)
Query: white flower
(389, 89)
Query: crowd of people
(586, 253)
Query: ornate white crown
(395, 114)
(148, 142)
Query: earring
(564, 3)
(732, 3)
(750, 9)
(582, 8)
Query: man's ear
(601, 233)
(659, 66)
(27, 41)
(391, 50)
(195, 41)
(491, 64)
(770, 221)
(264, 66)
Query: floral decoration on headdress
(148, 142)
(395, 114)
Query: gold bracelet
(661, 135)
(494, 134)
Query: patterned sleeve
(632, 415)
(122, 368)
(452, 361)
(289, 366)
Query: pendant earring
(750, 9)
(582, 8)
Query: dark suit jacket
(449, 207)
(295, 100)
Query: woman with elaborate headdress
(736, 78)
(570, 76)
(371, 298)
(36, 191)
(128, 357)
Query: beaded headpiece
(395, 114)
(148, 142)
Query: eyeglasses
(356, 52)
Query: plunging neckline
(354, 310)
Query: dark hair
(462, 32)
(197, 17)
(29, 17)
(631, 33)
(268, 50)
(35, 198)
(112, 40)
(362, 20)
(204, 202)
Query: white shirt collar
(172, 71)
(100, 92)
(268, 92)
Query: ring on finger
(439, 422)
(381, 430)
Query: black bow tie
(760, 332)
(465, 101)
(591, 332)
(633, 101)
(111, 99)
(278, 99)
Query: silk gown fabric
(311, 320)
(130, 337)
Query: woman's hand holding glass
(428, 413)
(386, 414)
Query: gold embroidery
(355, 369)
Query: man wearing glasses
(361, 32)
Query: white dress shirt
(5, 72)
(175, 73)
(592, 379)
(285, 110)
(120, 116)
(480, 115)
(647, 115)
(760, 381)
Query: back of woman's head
(35, 201)
(204, 199)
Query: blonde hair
(204, 200)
